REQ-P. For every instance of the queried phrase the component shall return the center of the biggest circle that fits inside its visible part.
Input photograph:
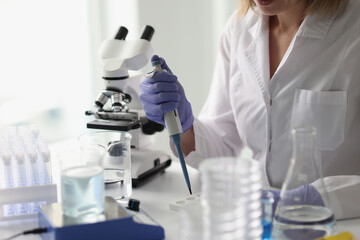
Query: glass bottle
(303, 211)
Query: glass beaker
(302, 212)
(82, 181)
(117, 160)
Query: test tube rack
(25, 173)
(37, 194)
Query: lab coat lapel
(257, 55)
(256, 66)
(315, 27)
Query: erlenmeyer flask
(303, 211)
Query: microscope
(122, 61)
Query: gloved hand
(305, 194)
(163, 93)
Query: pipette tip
(190, 191)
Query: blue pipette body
(176, 138)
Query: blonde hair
(321, 7)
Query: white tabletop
(170, 186)
(155, 197)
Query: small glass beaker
(117, 160)
(82, 181)
(303, 212)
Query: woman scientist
(282, 63)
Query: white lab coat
(317, 83)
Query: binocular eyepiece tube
(147, 33)
(122, 33)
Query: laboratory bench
(155, 197)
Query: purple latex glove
(307, 194)
(163, 93)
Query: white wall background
(44, 65)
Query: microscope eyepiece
(148, 33)
(122, 33)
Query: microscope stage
(116, 125)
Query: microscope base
(145, 164)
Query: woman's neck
(289, 20)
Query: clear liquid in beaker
(120, 177)
(82, 191)
(303, 222)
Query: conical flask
(303, 211)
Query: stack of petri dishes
(192, 226)
(231, 193)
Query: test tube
(22, 178)
(21, 169)
(34, 171)
(18, 158)
(6, 174)
(28, 144)
(6, 162)
(8, 182)
(28, 139)
(35, 131)
(44, 161)
(34, 167)
(6, 171)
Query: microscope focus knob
(149, 127)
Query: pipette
(173, 124)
